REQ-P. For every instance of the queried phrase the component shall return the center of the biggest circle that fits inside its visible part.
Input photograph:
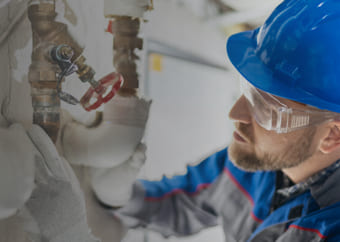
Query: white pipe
(114, 141)
(105, 146)
(132, 8)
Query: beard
(292, 155)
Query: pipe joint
(125, 30)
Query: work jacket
(215, 190)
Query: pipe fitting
(125, 30)
(43, 71)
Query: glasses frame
(273, 115)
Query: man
(278, 179)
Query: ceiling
(226, 13)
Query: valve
(109, 27)
(105, 90)
(100, 91)
(125, 30)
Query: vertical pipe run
(47, 33)
(125, 30)
(43, 73)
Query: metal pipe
(43, 71)
(125, 30)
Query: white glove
(113, 141)
(113, 186)
(16, 169)
(57, 204)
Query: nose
(240, 111)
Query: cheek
(316, 139)
(269, 141)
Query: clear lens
(271, 114)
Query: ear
(331, 142)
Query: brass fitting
(42, 76)
(125, 30)
(85, 72)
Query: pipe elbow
(108, 145)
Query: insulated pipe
(113, 141)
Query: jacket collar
(323, 186)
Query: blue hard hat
(295, 54)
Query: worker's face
(255, 148)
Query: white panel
(189, 113)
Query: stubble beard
(292, 155)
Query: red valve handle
(109, 27)
(113, 80)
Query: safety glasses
(271, 114)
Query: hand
(57, 204)
(113, 186)
(16, 169)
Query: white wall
(189, 115)
(176, 26)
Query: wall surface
(175, 26)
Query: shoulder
(324, 224)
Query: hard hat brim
(241, 50)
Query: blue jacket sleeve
(180, 205)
